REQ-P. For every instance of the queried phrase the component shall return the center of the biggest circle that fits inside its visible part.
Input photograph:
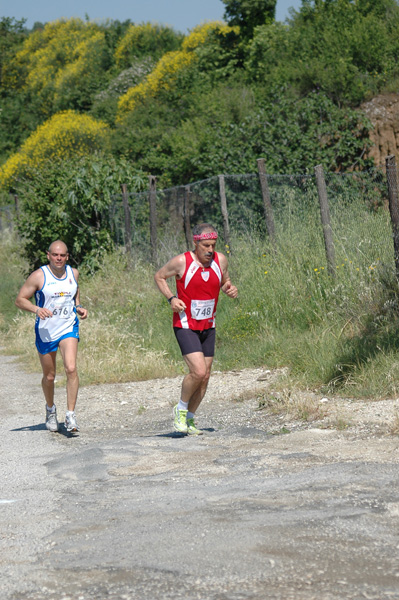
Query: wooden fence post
(267, 205)
(153, 216)
(325, 219)
(128, 223)
(186, 217)
(392, 180)
(16, 204)
(225, 214)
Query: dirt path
(129, 510)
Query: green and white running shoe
(192, 429)
(51, 420)
(180, 420)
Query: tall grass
(12, 270)
(120, 341)
(334, 332)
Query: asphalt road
(126, 509)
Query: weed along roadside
(337, 334)
(291, 492)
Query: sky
(182, 15)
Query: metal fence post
(225, 214)
(325, 219)
(153, 216)
(267, 205)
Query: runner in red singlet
(200, 275)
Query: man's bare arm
(30, 287)
(174, 268)
(226, 286)
(82, 312)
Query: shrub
(69, 200)
(60, 65)
(65, 135)
(346, 49)
(145, 40)
(163, 77)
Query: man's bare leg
(47, 362)
(196, 381)
(69, 350)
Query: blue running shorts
(46, 347)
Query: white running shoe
(70, 422)
(51, 419)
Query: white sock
(69, 412)
(190, 415)
(52, 409)
(182, 405)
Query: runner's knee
(71, 370)
(49, 377)
(200, 373)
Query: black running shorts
(192, 340)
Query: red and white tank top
(199, 289)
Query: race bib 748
(202, 309)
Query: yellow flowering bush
(164, 74)
(160, 78)
(65, 135)
(85, 67)
(63, 54)
(199, 34)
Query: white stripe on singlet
(193, 268)
(183, 320)
(215, 267)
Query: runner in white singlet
(57, 295)
(56, 291)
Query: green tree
(15, 113)
(221, 56)
(12, 35)
(114, 30)
(349, 50)
(146, 40)
(248, 14)
(238, 126)
(37, 25)
(70, 199)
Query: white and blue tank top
(58, 295)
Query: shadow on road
(42, 427)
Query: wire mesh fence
(358, 205)
(359, 211)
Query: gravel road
(127, 509)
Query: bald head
(61, 246)
(57, 256)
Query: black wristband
(171, 298)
